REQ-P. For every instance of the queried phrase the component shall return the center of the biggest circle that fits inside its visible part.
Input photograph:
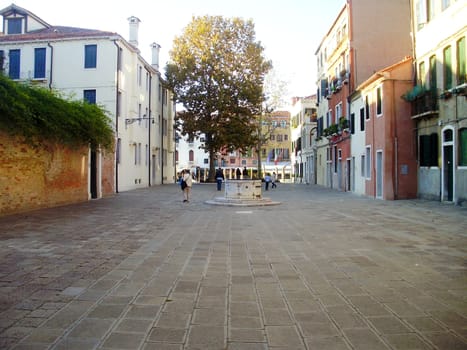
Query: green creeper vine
(36, 113)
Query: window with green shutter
(433, 84)
(429, 150)
(447, 66)
(463, 147)
(461, 66)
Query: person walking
(267, 180)
(219, 178)
(187, 182)
(238, 172)
(273, 180)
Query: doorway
(93, 175)
(379, 174)
(447, 171)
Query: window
(429, 150)
(283, 124)
(338, 112)
(445, 4)
(367, 108)
(461, 65)
(39, 63)
(447, 65)
(368, 163)
(14, 68)
(90, 56)
(463, 147)
(352, 123)
(140, 75)
(89, 96)
(137, 153)
(335, 159)
(272, 137)
(362, 165)
(362, 119)
(279, 138)
(431, 9)
(2, 60)
(433, 84)
(421, 13)
(191, 156)
(118, 152)
(320, 127)
(286, 137)
(421, 74)
(15, 25)
(379, 101)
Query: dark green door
(448, 172)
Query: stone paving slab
(322, 270)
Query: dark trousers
(267, 185)
(219, 184)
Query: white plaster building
(104, 68)
(439, 104)
(303, 114)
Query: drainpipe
(162, 137)
(51, 65)
(117, 109)
(396, 151)
(149, 130)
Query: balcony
(424, 102)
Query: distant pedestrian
(219, 178)
(267, 180)
(238, 173)
(245, 173)
(187, 182)
(273, 180)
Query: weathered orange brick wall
(32, 178)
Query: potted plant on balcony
(343, 124)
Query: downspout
(396, 150)
(162, 137)
(174, 113)
(117, 109)
(51, 65)
(149, 130)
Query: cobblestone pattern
(323, 270)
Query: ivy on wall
(35, 113)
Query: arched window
(191, 156)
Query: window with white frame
(338, 111)
(368, 162)
(362, 165)
(379, 101)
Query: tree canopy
(216, 71)
(37, 114)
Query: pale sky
(289, 30)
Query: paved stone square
(322, 270)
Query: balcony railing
(425, 104)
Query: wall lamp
(129, 121)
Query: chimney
(155, 55)
(134, 25)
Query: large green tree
(216, 71)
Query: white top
(188, 179)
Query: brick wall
(47, 176)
